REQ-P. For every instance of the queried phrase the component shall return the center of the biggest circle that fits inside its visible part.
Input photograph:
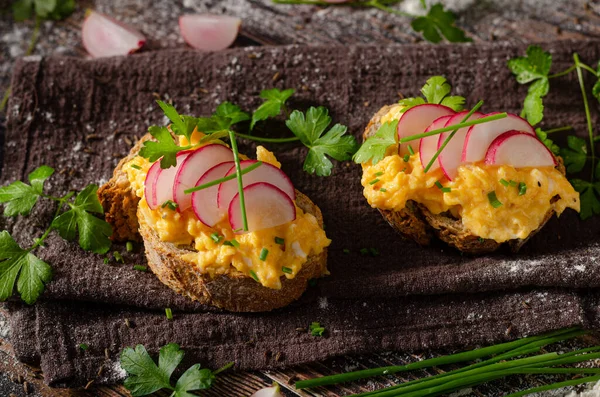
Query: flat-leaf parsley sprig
(534, 69)
(20, 266)
(437, 24)
(145, 377)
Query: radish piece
(449, 158)
(194, 166)
(163, 187)
(428, 145)
(149, 183)
(415, 120)
(264, 173)
(204, 202)
(480, 136)
(209, 32)
(519, 149)
(266, 206)
(273, 391)
(104, 36)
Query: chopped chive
(410, 150)
(118, 257)
(494, 200)
(512, 183)
(137, 167)
(170, 204)
(216, 237)
(225, 179)
(254, 275)
(106, 261)
(522, 188)
(129, 246)
(504, 182)
(279, 240)
(235, 243)
(438, 184)
(169, 313)
(378, 173)
(374, 251)
(286, 270)
(374, 181)
(346, 251)
(240, 183)
(316, 329)
(228, 243)
(238, 230)
(84, 346)
(406, 158)
(140, 268)
(442, 188)
(481, 240)
(263, 254)
(364, 251)
(383, 190)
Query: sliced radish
(204, 202)
(104, 36)
(428, 145)
(415, 120)
(266, 206)
(264, 173)
(449, 158)
(194, 166)
(149, 183)
(519, 149)
(480, 136)
(209, 32)
(163, 187)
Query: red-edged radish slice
(428, 145)
(209, 32)
(104, 36)
(449, 158)
(480, 136)
(204, 202)
(149, 183)
(519, 149)
(194, 166)
(162, 190)
(264, 173)
(266, 206)
(416, 120)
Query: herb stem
(589, 69)
(223, 368)
(453, 127)
(559, 129)
(5, 99)
(564, 72)
(240, 182)
(588, 117)
(271, 140)
(449, 138)
(224, 179)
(61, 202)
(34, 36)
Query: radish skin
(104, 36)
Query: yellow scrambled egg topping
(302, 237)
(519, 215)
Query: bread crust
(417, 223)
(234, 291)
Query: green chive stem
(140, 268)
(268, 140)
(554, 386)
(169, 313)
(223, 368)
(224, 179)
(129, 246)
(263, 254)
(238, 173)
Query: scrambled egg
(519, 215)
(302, 237)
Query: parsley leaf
(212, 124)
(274, 100)
(181, 125)
(310, 129)
(435, 90)
(375, 147)
(164, 147)
(15, 262)
(145, 377)
(589, 197)
(94, 232)
(437, 23)
(543, 136)
(575, 155)
(534, 67)
(221, 120)
(410, 103)
(231, 111)
(44, 9)
(20, 197)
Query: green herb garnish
(140, 268)
(129, 246)
(279, 240)
(383, 190)
(216, 237)
(346, 251)
(437, 91)
(286, 270)
(494, 200)
(145, 377)
(410, 150)
(224, 179)
(170, 204)
(118, 257)
(274, 102)
(442, 188)
(137, 167)
(406, 158)
(84, 346)
(169, 313)
(374, 181)
(522, 188)
(375, 147)
(106, 261)
(316, 329)
(506, 183)
(263, 254)
(254, 276)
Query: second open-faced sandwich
(475, 187)
(195, 241)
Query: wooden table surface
(265, 23)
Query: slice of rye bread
(416, 222)
(234, 291)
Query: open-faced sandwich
(196, 241)
(475, 187)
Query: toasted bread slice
(416, 222)
(234, 291)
